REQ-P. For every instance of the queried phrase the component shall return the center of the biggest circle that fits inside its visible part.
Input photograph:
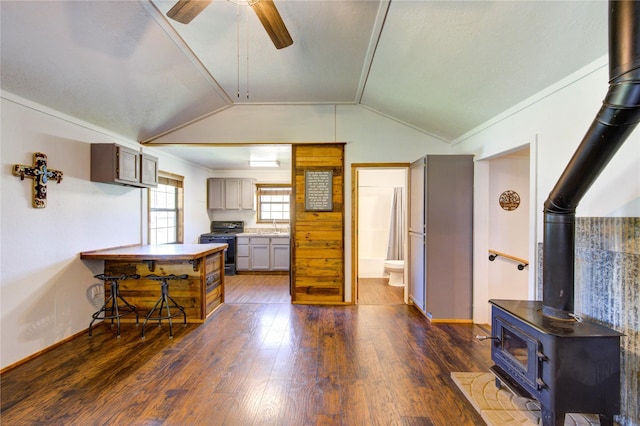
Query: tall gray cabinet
(441, 236)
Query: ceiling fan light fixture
(262, 163)
(184, 11)
(272, 22)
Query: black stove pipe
(616, 120)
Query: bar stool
(164, 300)
(111, 308)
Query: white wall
(261, 123)
(558, 119)
(553, 123)
(508, 230)
(42, 280)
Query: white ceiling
(442, 67)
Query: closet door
(417, 241)
(416, 270)
(449, 242)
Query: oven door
(229, 253)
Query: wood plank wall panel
(199, 294)
(317, 237)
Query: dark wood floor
(377, 291)
(275, 289)
(256, 363)
(257, 289)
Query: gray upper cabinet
(148, 170)
(247, 194)
(215, 194)
(116, 164)
(231, 193)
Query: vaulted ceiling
(442, 67)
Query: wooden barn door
(317, 228)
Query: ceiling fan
(185, 10)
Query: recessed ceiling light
(254, 163)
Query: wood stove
(568, 366)
(543, 349)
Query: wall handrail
(522, 263)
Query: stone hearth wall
(607, 290)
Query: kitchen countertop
(154, 252)
(199, 294)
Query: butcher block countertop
(154, 252)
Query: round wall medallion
(509, 200)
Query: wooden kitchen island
(200, 293)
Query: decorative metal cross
(40, 175)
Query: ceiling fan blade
(185, 10)
(272, 23)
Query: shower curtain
(395, 247)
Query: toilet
(395, 268)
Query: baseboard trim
(47, 349)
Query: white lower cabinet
(259, 254)
(280, 254)
(262, 253)
(242, 254)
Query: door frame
(355, 167)
(481, 309)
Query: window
(166, 210)
(273, 203)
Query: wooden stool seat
(165, 302)
(111, 308)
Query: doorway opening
(509, 224)
(505, 220)
(380, 213)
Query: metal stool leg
(111, 309)
(149, 314)
(180, 307)
(96, 315)
(164, 303)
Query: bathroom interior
(382, 245)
